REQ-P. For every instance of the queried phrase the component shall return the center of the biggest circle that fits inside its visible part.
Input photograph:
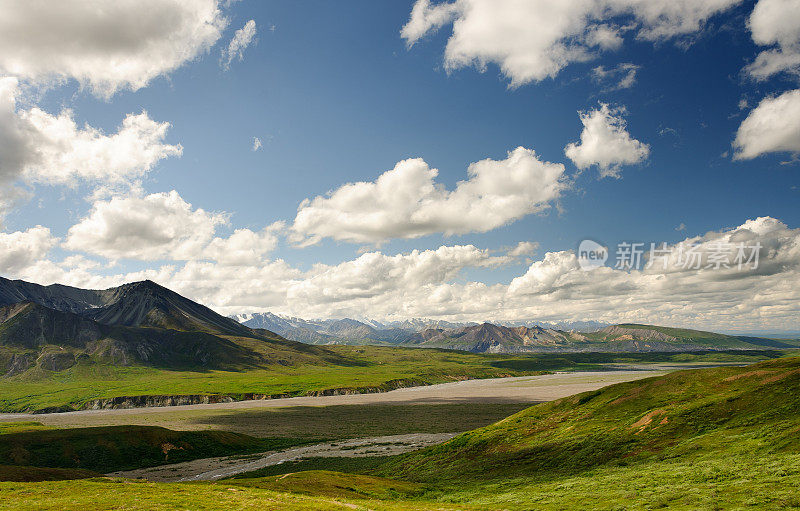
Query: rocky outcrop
(148, 401)
(19, 363)
(30, 325)
(56, 360)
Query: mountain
(420, 324)
(30, 325)
(490, 338)
(416, 331)
(143, 304)
(56, 296)
(295, 329)
(504, 337)
(571, 326)
(148, 304)
(349, 329)
(142, 323)
(329, 331)
(635, 337)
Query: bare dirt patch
(647, 419)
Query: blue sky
(336, 96)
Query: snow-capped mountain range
(368, 331)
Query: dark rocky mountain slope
(56, 327)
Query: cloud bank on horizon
(422, 283)
(121, 231)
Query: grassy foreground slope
(332, 491)
(698, 438)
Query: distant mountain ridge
(489, 338)
(505, 336)
(370, 331)
(329, 331)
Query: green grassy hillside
(666, 416)
(733, 431)
(723, 438)
(689, 336)
(104, 494)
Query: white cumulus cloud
(374, 275)
(165, 226)
(554, 287)
(535, 39)
(244, 247)
(717, 298)
(21, 249)
(605, 142)
(524, 248)
(106, 46)
(40, 147)
(407, 202)
(775, 23)
(156, 226)
(771, 127)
